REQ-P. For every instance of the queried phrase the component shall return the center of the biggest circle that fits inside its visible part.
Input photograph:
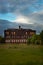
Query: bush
(37, 42)
(29, 41)
(41, 37)
(2, 40)
(35, 39)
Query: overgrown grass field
(21, 54)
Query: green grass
(21, 54)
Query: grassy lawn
(21, 54)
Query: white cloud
(22, 19)
(35, 17)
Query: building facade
(18, 35)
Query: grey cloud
(13, 5)
(37, 17)
(4, 24)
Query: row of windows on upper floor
(13, 33)
(17, 36)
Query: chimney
(19, 27)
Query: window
(7, 33)
(18, 37)
(22, 36)
(7, 36)
(14, 40)
(17, 40)
(7, 41)
(26, 36)
(24, 40)
(12, 36)
(14, 33)
(26, 33)
(31, 33)
(20, 40)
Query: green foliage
(29, 41)
(41, 37)
(1, 39)
(22, 55)
(35, 39)
(37, 42)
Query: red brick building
(18, 35)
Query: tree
(35, 39)
(2, 39)
(41, 37)
(29, 41)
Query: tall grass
(21, 54)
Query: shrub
(29, 41)
(41, 37)
(2, 40)
(35, 39)
(37, 42)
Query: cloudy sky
(22, 11)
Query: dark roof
(20, 29)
